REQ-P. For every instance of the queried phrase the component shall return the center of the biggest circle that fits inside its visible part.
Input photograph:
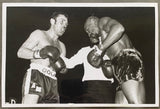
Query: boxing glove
(107, 68)
(60, 66)
(48, 51)
(94, 58)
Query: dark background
(21, 21)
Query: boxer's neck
(52, 34)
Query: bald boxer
(43, 49)
(125, 60)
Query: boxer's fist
(107, 68)
(59, 66)
(94, 58)
(47, 52)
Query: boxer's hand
(59, 66)
(107, 68)
(94, 57)
(48, 51)
(97, 50)
(100, 45)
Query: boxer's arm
(114, 31)
(134, 91)
(26, 50)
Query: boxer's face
(61, 24)
(92, 29)
(93, 32)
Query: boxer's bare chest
(47, 40)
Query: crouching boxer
(43, 49)
(127, 65)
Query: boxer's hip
(128, 65)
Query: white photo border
(4, 17)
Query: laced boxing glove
(107, 68)
(94, 57)
(48, 51)
(60, 66)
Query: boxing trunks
(128, 66)
(41, 80)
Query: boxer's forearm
(113, 36)
(25, 53)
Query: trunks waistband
(44, 70)
(131, 50)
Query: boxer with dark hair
(125, 60)
(43, 49)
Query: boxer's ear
(52, 21)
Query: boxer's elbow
(120, 28)
(19, 53)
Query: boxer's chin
(94, 40)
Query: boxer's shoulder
(104, 18)
(103, 21)
(37, 33)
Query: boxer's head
(91, 28)
(59, 21)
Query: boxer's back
(123, 43)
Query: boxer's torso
(45, 40)
(123, 43)
(105, 25)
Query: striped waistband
(44, 70)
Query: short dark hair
(56, 14)
(91, 19)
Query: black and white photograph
(80, 55)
